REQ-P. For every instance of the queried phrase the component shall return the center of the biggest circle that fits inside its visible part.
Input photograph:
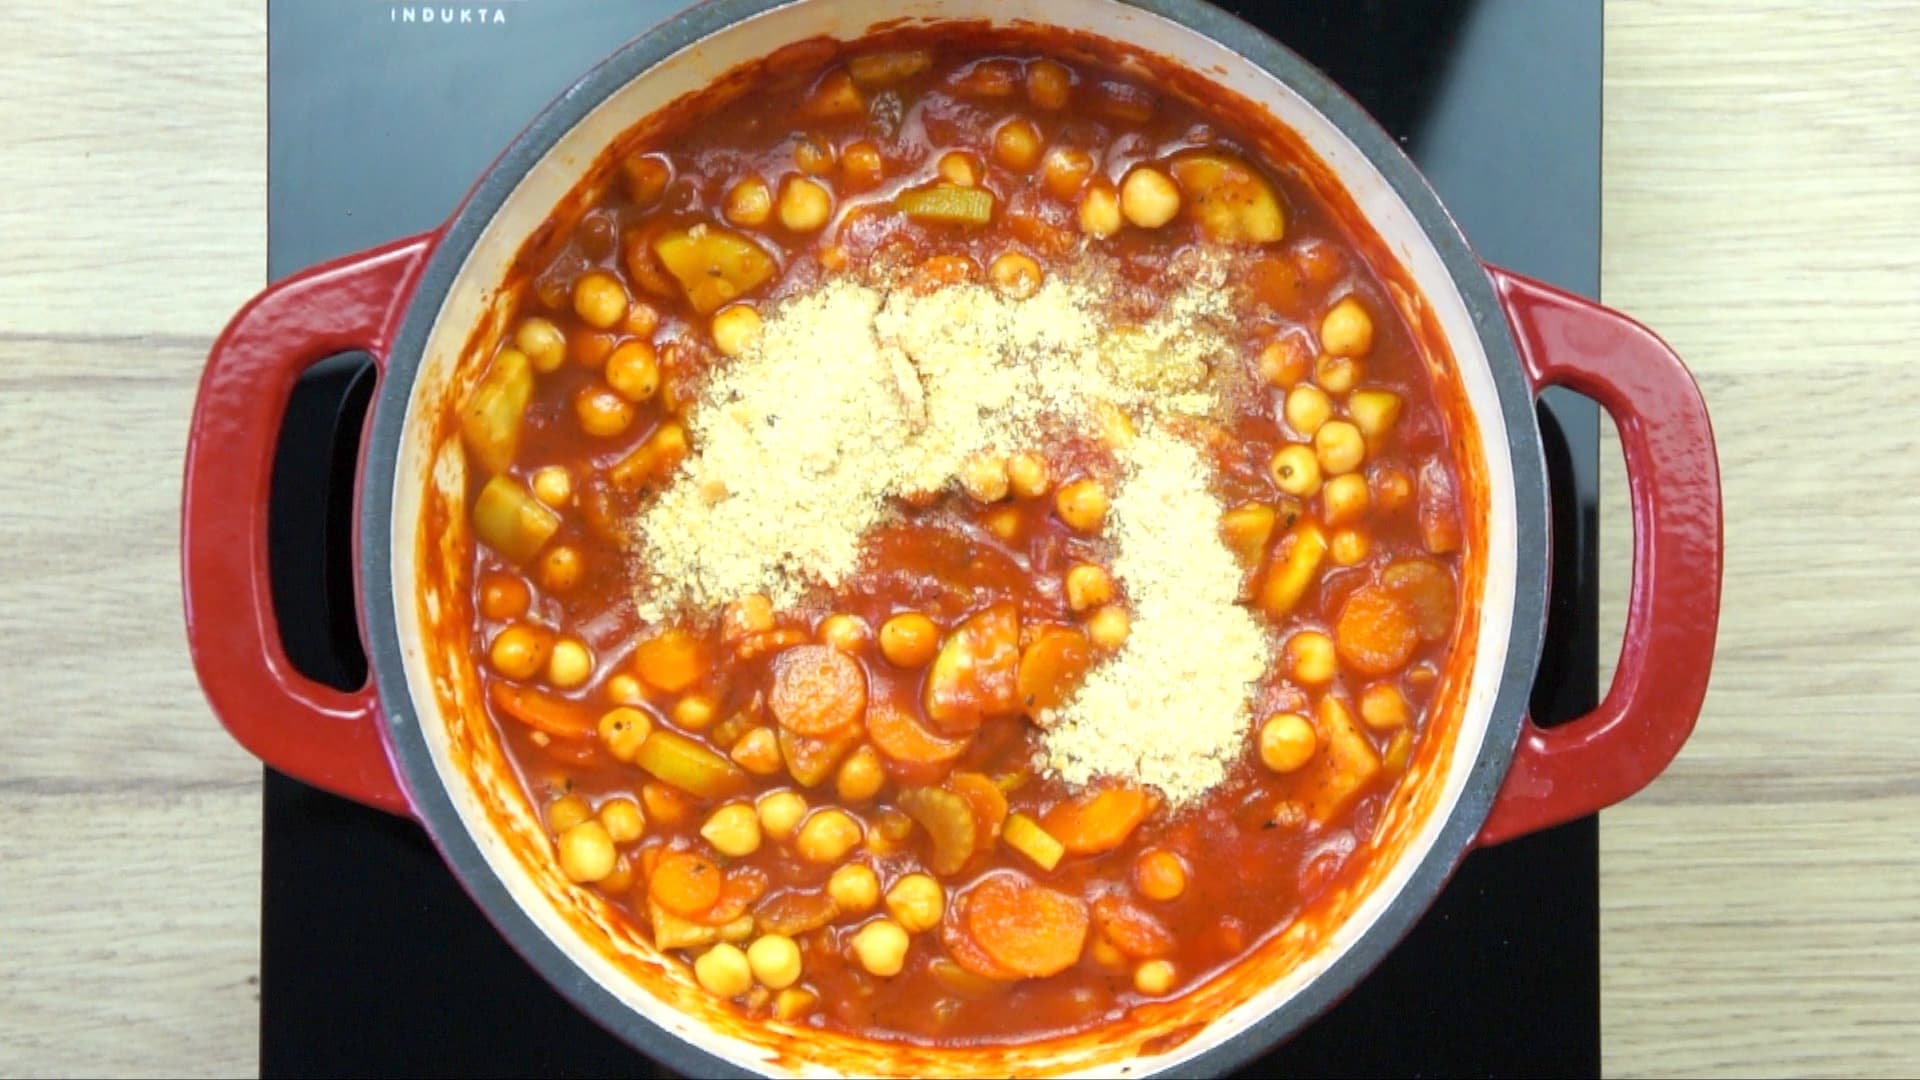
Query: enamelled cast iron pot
(416, 739)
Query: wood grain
(1761, 903)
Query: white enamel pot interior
(414, 577)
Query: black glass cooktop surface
(374, 962)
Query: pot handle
(325, 737)
(1673, 478)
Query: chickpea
(1082, 505)
(780, 812)
(624, 689)
(1154, 978)
(1028, 474)
(1383, 707)
(1100, 210)
(1340, 447)
(843, 631)
(1337, 374)
(1017, 145)
(1311, 658)
(1148, 197)
(590, 349)
(1345, 499)
(622, 819)
(553, 485)
(881, 947)
(503, 596)
(909, 640)
(958, 168)
(827, 835)
(1285, 362)
(854, 888)
(1349, 547)
(1392, 487)
(1088, 586)
(1064, 171)
(543, 343)
(1048, 84)
(1374, 412)
(723, 971)
(633, 370)
(733, 830)
(1287, 742)
(586, 852)
(561, 568)
(749, 203)
(736, 329)
(745, 617)
(1295, 470)
(1307, 408)
(1347, 329)
(566, 812)
(599, 299)
(695, 712)
(623, 729)
(1106, 954)
(1160, 875)
(860, 777)
(520, 651)
(793, 1003)
(917, 903)
(1109, 627)
(984, 477)
(758, 752)
(570, 664)
(642, 320)
(1003, 522)
(813, 155)
(1016, 275)
(805, 205)
(603, 413)
(861, 166)
(775, 961)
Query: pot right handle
(1673, 479)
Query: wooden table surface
(1761, 902)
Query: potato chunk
(713, 265)
(1232, 202)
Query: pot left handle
(328, 738)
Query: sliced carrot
(672, 661)
(817, 690)
(985, 799)
(743, 887)
(1427, 587)
(1051, 669)
(948, 819)
(1131, 930)
(1376, 632)
(664, 804)
(967, 953)
(1100, 820)
(900, 735)
(686, 883)
(1026, 928)
(555, 716)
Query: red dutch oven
(415, 739)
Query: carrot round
(966, 952)
(1098, 821)
(897, 733)
(558, 717)
(1133, 931)
(1376, 633)
(686, 883)
(740, 888)
(817, 690)
(1028, 929)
